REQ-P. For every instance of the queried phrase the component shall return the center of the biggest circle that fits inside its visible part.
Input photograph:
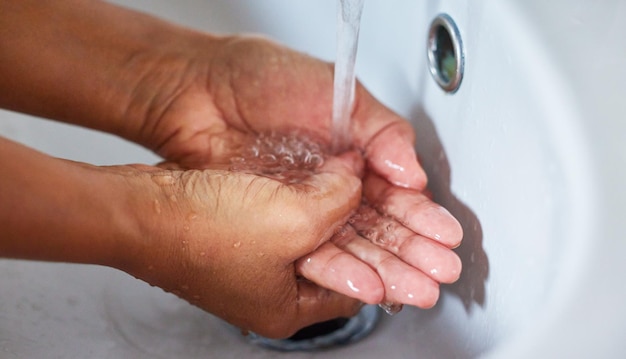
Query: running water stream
(348, 24)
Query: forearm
(56, 210)
(87, 62)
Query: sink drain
(327, 334)
(445, 53)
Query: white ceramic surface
(528, 154)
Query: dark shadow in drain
(470, 287)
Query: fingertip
(450, 232)
(394, 159)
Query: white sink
(529, 154)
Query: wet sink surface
(527, 154)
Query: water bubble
(288, 158)
(287, 161)
(316, 160)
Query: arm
(86, 62)
(57, 210)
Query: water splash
(289, 158)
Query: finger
(413, 209)
(332, 268)
(388, 236)
(388, 140)
(403, 283)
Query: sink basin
(528, 154)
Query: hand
(227, 242)
(244, 85)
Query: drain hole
(340, 331)
(445, 53)
(319, 329)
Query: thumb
(334, 193)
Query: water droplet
(184, 287)
(393, 287)
(150, 267)
(410, 295)
(434, 271)
(237, 244)
(186, 228)
(157, 206)
(391, 308)
(202, 254)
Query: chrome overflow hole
(445, 53)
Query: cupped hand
(228, 242)
(224, 87)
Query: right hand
(228, 243)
